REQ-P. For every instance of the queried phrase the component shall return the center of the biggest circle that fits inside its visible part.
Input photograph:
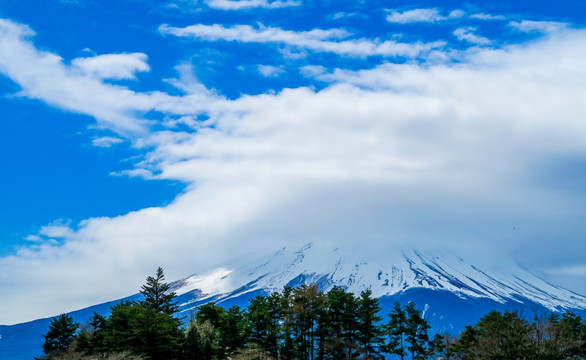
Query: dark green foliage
(92, 338)
(199, 341)
(368, 331)
(499, 336)
(416, 333)
(304, 324)
(569, 336)
(443, 345)
(264, 315)
(407, 332)
(232, 330)
(507, 336)
(121, 327)
(343, 316)
(60, 335)
(210, 312)
(156, 294)
(395, 331)
(147, 328)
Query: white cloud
(112, 66)
(44, 76)
(428, 15)
(455, 14)
(248, 4)
(425, 155)
(57, 231)
(106, 141)
(316, 40)
(33, 238)
(348, 15)
(484, 16)
(467, 34)
(538, 26)
(269, 70)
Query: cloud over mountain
(428, 153)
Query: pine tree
(369, 333)
(276, 314)
(232, 330)
(416, 333)
(497, 336)
(395, 330)
(92, 338)
(443, 345)
(199, 340)
(343, 316)
(158, 334)
(122, 333)
(60, 335)
(259, 321)
(156, 295)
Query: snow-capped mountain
(451, 292)
(406, 271)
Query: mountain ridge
(451, 292)
(337, 267)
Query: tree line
(304, 323)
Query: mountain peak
(396, 272)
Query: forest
(303, 323)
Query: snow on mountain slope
(451, 292)
(398, 272)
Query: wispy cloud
(113, 66)
(488, 17)
(106, 141)
(80, 87)
(249, 4)
(348, 15)
(427, 15)
(331, 40)
(538, 26)
(44, 76)
(269, 70)
(468, 34)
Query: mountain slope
(341, 267)
(451, 292)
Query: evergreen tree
(210, 312)
(369, 333)
(263, 314)
(156, 295)
(497, 336)
(122, 334)
(92, 338)
(396, 329)
(232, 331)
(60, 335)
(276, 314)
(259, 321)
(465, 345)
(416, 333)
(323, 330)
(443, 345)
(567, 336)
(199, 340)
(343, 316)
(286, 346)
(147, 328)
(158, 334)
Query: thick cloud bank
(466, 156)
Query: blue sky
(137, 134)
